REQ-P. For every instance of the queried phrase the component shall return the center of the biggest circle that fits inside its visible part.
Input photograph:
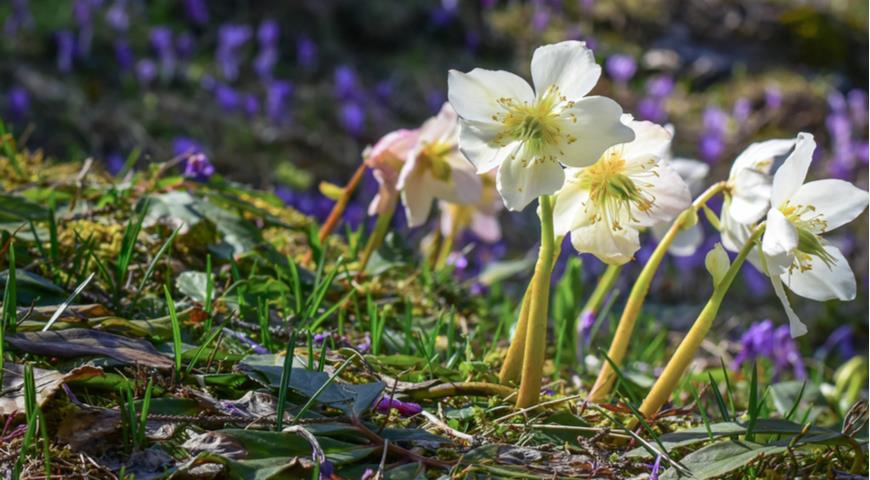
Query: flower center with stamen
(433, 157)
(536, 125)
(807, 222)
(612, 192)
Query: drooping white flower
(528, 135)
(629, 188)
(794, 253)
(386, 159)
(748, 197)
(481, 217)
(693, 172)
(435, 169)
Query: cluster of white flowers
(613, 176)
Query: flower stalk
(640, 289)
(340, 205)
(376, 239)
(459, 218)
(688, 348)
(534, 353)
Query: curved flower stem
(640, 289)
(340, 204)
(536, 333)
(511, 369)
(459, 217)
(376, 239)
(682, 357)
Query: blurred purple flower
(711, 146)
(251, 105)
(741, 110)
(146, 70)
(772, 98)
(836, 101)
(654, 471)
(384, 89)
(587, 321)
(307, 202)
(185, 45)
(763, 340)
(840, 342)
(352, 118)
(306, 53)
(405, 409)
(227, 98)
(196, 11)
(268, 33)
(278, 95)
(487, 4)
(757, 283)
(652, 109)
(231, 38)
(117, 17)
(19, 18)
(621, 67)
(184, 146)
(368, 474)
(660, 86)
(435, 100)
(321, 337)
(65, 50)
(540, 18)
(198, 167)
(114, 163)
(366, 344)
(327, 470)
(715, 120)
(161, 42)
(18, 102)
(857, 100)
(124, 55)
(346, 83)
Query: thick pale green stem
(605, 283)
(619, 345)
(457, 221)
(536, 333)
(382, 226)
(512, 369)
(688, 348)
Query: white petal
(569, 209)
(569, 65)
(693, 172)
(417, 199)
(796, 326)
(649, 139)
(595, 124)
(442, 128)
(837, 201)
(521, 180)
(686, 242)
(474, 95)
(670, 193)
(611, 247)
(822, 282)
(750, 196)
(779, 242)
(734, 233)
(790, 176)
(475, 146)
(760, 156)
(486, 227)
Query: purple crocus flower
(857, 100)
(327, 470)
(161, 42)
(251, 105)
(742, 109)
(540, 18)
(184, 146)
(18, 102)
(306, 53)
(66, 45)
(227, 98)
(764, 340)
(621, 67)
(146, 70)
(185, 45)
(278, 95)
(198, 167)
(587, 321)
(19, 18)
(268, 33)
(368, 474)
(841, 342)
(352, 117)
(124, 55)
(117, 17)
(654, 473)
(114, 163)
(772, 98)
(346, 83)
(660, 86)
(196, 11)
(405, 409)
(83, 13)
(231, 38)
(652, 109)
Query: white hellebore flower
(794, 252)
(529, 134)
(693, 173)
(630, 187)
(748, 197)
(435, 168)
